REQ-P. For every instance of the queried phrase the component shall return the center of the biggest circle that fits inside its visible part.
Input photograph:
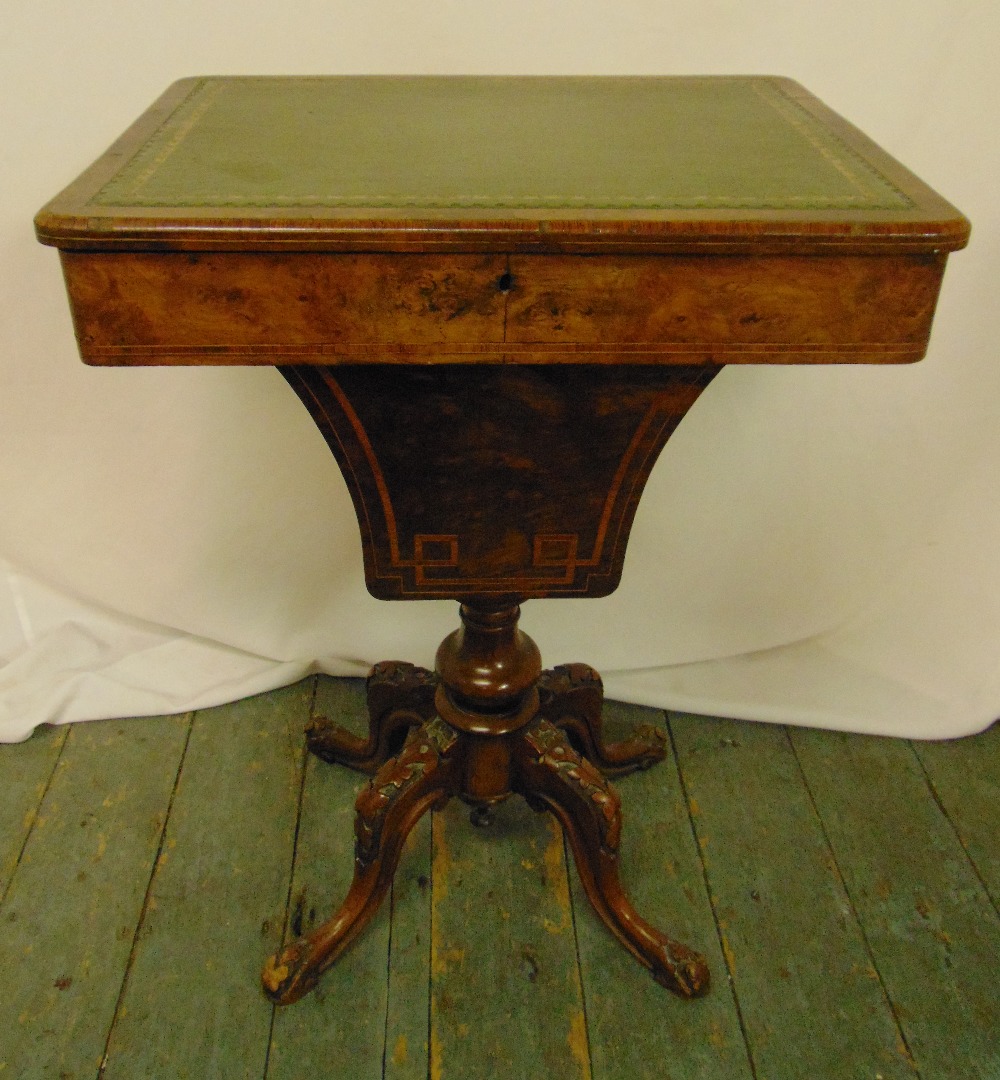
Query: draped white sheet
(815, 546)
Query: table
(497, 297)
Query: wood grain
(491, 480)
(25, 774)
(732, 309)
(70, 914)
(247, 308)
(503, 930)
(964, 775)
(407, 1036)
(345, 1044)
(924, 912)
(792, 944)
(895, 838)
(310, 308)
(636, 1031)
(191, 1006)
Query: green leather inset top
(516, 143)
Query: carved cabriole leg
(551, 774)
(400, 697)
(487, 725)
(572, 696)
(424, 775)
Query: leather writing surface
(439, 142)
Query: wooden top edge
(73, 221)
(595, 234)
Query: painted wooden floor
(845, 890)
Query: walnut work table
(497, 298)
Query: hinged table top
(403, 163)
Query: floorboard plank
(407, 1023)
(338, 1030)
(192, 1005)
(810, 1001)
(70, 913)
(851, 878)
(965, 776)
(25, 771)
(638, 1030)
(931, 927)
(505, 992)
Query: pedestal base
(487, 726)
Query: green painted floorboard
(505, 994)
(70, 913)
(192, 1007)
(152, 865)
(407, 1042)
(338, 1031)
(964, 775)
(811, 1002)
(25, 771)
(638, 1030)
(932, 930)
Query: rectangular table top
(498, 296)
(553, 220)
(431, 163)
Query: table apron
(257, 308)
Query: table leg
(490, 723)
(386, 810)
(572, 699)
(553, 776)
(400, 697)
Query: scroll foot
(400, 697)
(386, 810)
(572, 698)
(550, 771)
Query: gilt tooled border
(152, 155)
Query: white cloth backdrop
(818, 547)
